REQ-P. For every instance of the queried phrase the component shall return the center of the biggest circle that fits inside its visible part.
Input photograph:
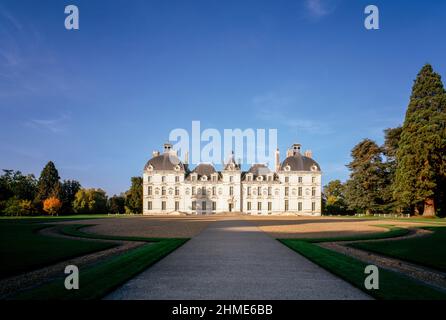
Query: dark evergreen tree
(390, 149)
(364, 189)
(69, 188)
(133, 199)
(421, 156)
(49, 184)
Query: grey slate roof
(204, 169)
(299, 162)
(165, 161)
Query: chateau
(294, 187)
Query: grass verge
(96, 281)
(429, 251)
(23, 248)
(393, 286)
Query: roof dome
(298, 162)
(259, 170)
(165, 161)
(204, 169)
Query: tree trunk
(429, 208)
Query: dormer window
(204, 178)
(313, 167)
(287, 168)
(259, 178)
(177, 168)
(150, 167)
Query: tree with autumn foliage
(52, 205)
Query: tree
(390, 148)
(334, 193)
(133, 199)
(421, 157)
(90, 201)
(17, 207)
(364, 188)
(69, 188)
(49, 184)
(15, 184)
(52, 205)
(117, 204)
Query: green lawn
(23, 249)
(95, 282)
(391, 233)
(393, 286)
(429, 250)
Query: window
(299, 191)
(231, 191)
(149, 205)
(194, 192)
(259, 206)
(177, 178)
(299, 179)
(177, 191)
(313, 179)
(177, 205)
(194, 205)
(287, 179)
(249, 206)
(313, 192)
(214, 205)
(214, 178)
(313, 206)
(286, 205)
(203, 191)
(163, 205)
(270, 206)
(214, 191)
(163, 191)
(299, 206)
(163, 179)
(287, 191)
(149, 191)
(194, 178)
(148, 178)
(203, 205)
(249, 191)
(269, 191)
(259, 191)
(231, 179)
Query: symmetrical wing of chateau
(170, 186)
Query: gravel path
(430, 276)
(234, 259)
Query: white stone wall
(239, 199)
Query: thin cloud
(318, 8)
(56, 125)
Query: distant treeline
(25, 195)
(408, 173)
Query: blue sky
(97, 101)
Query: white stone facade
(293, 188)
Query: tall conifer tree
(421, 156)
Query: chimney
(186, 157)
(289, 153)
(155, 153)
(308, 154)
(167, 147)
(277, 164)
(296, 149)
